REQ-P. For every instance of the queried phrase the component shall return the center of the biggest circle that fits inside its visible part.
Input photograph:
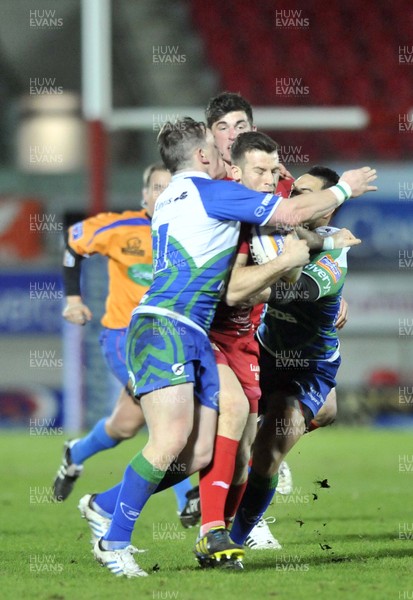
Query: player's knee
(124, 428)
(203, 454)
(266, 464)
(233, 416)
(124, 431)
(268, 454)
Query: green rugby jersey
(306, 329)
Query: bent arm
(75, 311)
(246, 282)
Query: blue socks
(139, 482)
(95, 441)
(255, 501)
(105, 502)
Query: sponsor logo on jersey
(259, 211)
(133, 247)
(77, 231)
(130, 513)
(163, 203)
(178, 368)
(141, 274)
(279, 314)
(328, 263)
(215, 399)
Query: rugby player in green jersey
(299, 359)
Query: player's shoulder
(110, 221)
(126, 218)
(141, 217)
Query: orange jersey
(125, 238)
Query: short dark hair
(251, 140)
(178, 140)
(223, 104)
(150, 170)
(328, 176)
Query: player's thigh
(126, 414)
(200, 446)
(328, 412)
(169, 411)
(282, 424)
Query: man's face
(227, 129)
(305, 185)
(215, 163)
(258, 171)
(158, 181)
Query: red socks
(215, 481)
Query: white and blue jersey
(195, 230)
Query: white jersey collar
(184, 174)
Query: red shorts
(241, 354)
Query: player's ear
(254, 128)
(144, 202)
(202, 157)
(236, 172)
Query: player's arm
(324, 276)
(342, 316)
(247, 282)
(342, 238)
(309, 207)
(303, 290)
(91, 236)
(74, 311)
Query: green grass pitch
(352, 540)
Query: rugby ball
(265, 244)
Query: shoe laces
(125, 557)
(261, 531)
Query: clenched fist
(75, 311)
(296, 250)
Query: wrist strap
(342, 191)
(328, 243)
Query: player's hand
(360, 180)
(342, 316)
(297, 251)
(284, 172)
(75, 311)
(344, 238)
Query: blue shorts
(310, 383)
(162, 351)
(113, 345)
